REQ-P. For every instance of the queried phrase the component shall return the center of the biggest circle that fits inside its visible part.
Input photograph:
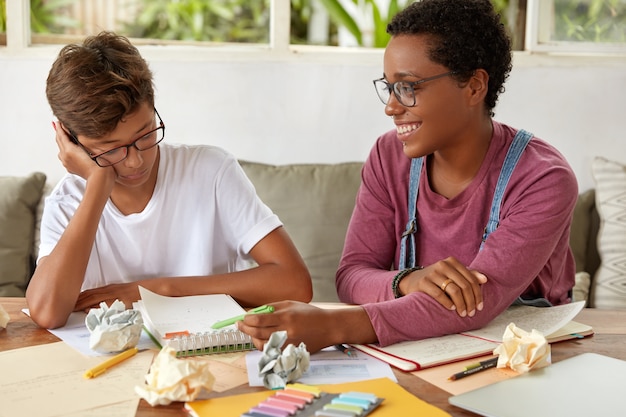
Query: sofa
(315, 203)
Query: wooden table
(609, 339)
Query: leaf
(342, 18)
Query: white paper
(76, 334)
(546, 320)
(48, 380)
(329, 366)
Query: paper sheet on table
(47, 381)
(76, 334)
(329, 366)
(439, 375)
(122, 409)
(229, 368)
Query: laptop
(585, 385)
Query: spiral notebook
(184, 323)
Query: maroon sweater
(527, 255)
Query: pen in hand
(233, 320)
(475, 368)
(100, 369)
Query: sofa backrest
(584, 233)
(314, 202)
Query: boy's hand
(75, 159)
(127, 293)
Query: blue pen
(233, 320)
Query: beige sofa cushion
(608, 288)
(314, 202)
(581, 228)
(19, 197)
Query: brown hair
(93, 86)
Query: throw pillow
(609, 283)
(314, 202)
(19, 197)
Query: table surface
(609, 339)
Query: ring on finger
(445, 284)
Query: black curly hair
(466, 35)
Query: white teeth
(405, 128)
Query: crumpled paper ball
(522, 351)
(114, 328)
(4, 317)
(173, 379)
(279, 368)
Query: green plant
(590, 21)
(379, 36)
(201, 20)
(342, 17)
(3, 16)
(47, 16)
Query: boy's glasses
(403, 90)
(116, 155)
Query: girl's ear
(478, 85)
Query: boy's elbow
(43, 315)
(47, 321)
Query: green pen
(233, 320)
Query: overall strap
(408, 237)
(513, 155)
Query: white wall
(316, 108)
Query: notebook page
(194, 314)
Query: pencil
(472, 369)
(100, 369)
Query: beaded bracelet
(395, 284)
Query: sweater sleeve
(367, 267)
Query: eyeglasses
(403, 90)
(116, 155)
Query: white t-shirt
(203, 218)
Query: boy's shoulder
(184, 150)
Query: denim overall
(407, 243)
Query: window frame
(18, 36)
(538, 20)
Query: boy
(133, 210)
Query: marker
(345, 349)
(475, 368)
(104, 366)
(233, 320)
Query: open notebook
(555, 322)
(184, 323)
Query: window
(286, 25)
(577, 26)
(3, 24)
(189, 21)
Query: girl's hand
(303, 323)
(450, 283)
